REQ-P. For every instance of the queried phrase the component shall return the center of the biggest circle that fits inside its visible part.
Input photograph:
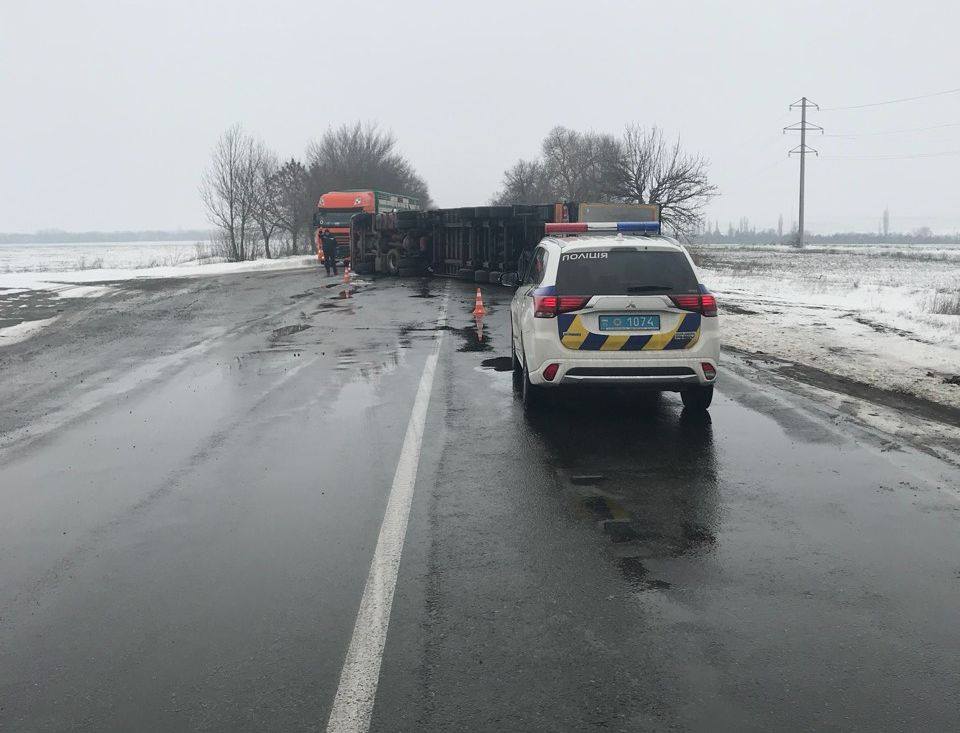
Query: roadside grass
(945, 304)
(83, 263)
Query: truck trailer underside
(476, 243)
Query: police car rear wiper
(648, 288)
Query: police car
(613, 304)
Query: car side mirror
(510, 279)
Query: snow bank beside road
(23, 330)
(863, 313)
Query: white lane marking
(353, 705)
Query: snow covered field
(31, 299)
(864, 312)
(68, 256)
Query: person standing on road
(329, 244)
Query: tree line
(921, 235)
(639, 166)
(261, 206)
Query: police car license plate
(632, 322)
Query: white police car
(609, 304)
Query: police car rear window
(624, 272)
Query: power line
(893, 101)
(907, 156)
(891, 132)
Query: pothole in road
(284, 331)
(304, 294)
(634, 539)
(345, 293)
(636, 574)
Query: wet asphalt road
(193, 475)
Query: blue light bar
(638, 226)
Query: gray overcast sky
(109, 109)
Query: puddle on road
(475, 337)
(407, 329)
(426, 287)
(645, 480)
(587, 479)
(498, 364)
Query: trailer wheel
(393, 261)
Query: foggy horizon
(112, 112)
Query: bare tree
(228, 193)
(641, 167)
(291, 200)
(581, 166)
(526, 182)
(264, 162)
(362, 156)
(653, 171)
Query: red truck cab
(336, 209)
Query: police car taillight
(548, 306)
(705, 303)
(709, 371)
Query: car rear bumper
(662, 374)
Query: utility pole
(802, 149)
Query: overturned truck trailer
(477, 243)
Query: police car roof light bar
(565, 227)
(652, 227)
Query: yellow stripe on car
(614, 342)
(658, 341)
(575, 334)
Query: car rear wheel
(531, 394)
(515, 365)
(697, 398)
(393, 262)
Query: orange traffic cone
(346, 275)
(478, 309)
